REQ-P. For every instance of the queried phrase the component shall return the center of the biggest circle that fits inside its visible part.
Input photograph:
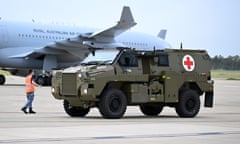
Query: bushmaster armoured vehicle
(113, 79)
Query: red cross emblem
(188, 63)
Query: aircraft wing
(61, 49)
(33, 52)
(105, 38)
(125, 23)
(55, 55)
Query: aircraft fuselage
(20, 38)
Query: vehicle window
(101, 57)
(163, 60)
(128, 59)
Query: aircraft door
(3, 35)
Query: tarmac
(51, 125)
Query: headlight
(85, 91)
(53, 90)
(80, 75)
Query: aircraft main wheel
(151, 110)
(189, 104)
(75, 111)
(44, 81)
(2, 79)
(40, 80)
(113, 104)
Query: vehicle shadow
(135, 117)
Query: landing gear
(44, 80)
(2, 79)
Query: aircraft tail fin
(162, 34)
(125, 23)
(127, 17)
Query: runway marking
(40, 140)
(231, 86)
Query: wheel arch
(115, 85)
(191, 85)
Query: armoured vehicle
(111, 80)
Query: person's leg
(28, 103)
(31, 98)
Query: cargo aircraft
(46, 47)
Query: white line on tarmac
(40, 140)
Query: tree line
(228, 63)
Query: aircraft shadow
(14, 85)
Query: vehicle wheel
(113, 104)
(2, 79)
(151, 110)
(189, 104)
(75, 111)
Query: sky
(213, 25)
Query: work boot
(24, 110)
(31, 111)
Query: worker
(30, 88)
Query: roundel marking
(188, 63)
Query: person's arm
(35, 84)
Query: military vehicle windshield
(101, 57)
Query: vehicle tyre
(2, 79)
(75, 111)
(151, 109)
(189, 104)
(113, 104)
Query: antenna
(181, 46)
(154, 50)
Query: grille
(69, 84)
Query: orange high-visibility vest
(29, 84)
